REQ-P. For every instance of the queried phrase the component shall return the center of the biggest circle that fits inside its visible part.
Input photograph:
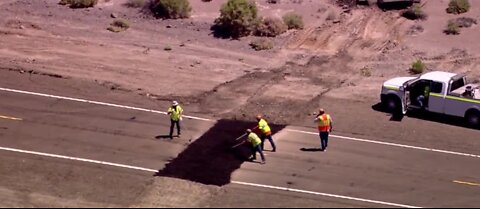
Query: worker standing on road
(256, 145)
(175, 112)
(325, 125)
(266, 132)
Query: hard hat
(249, 130)
(174, 103)
(321, 111)
(259, 117)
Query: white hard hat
(174, 103)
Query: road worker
(325, 125)
(266, 132)
(256, 142)
(175, 112)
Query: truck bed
(460, 92)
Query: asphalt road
(349, 169)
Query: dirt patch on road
(214, 153)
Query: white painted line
(325, 194)
(390, 144)
(97, 103)
(9, 118)
(76, 159)
(233, 182)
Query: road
(353, 173)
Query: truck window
(459, 83)
(437, 87)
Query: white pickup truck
(438, 92)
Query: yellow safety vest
(263, 126)
(175, 113)
(324, 123)
(254, 139)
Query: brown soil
(344, 53)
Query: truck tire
(393, 105)
(473, 118)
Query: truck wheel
(393, 105)
(473, 118)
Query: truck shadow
(212, 158)
(428, 116)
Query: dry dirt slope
(224, 77)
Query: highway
(60, 152)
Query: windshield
(456, 84)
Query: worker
(175, 112)
(266, 132)
(423, 98)
(256, 142)
(325, 126)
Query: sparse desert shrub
(135, 3)
(458, 6)
(262, 44)
(366, 72)
(415, 29)
(293, 21)
(171, 9)
(168, 48)
(465, 22)
(452, 28)
(414, 13)
(418, 67)
(79, 3)
(273, 1)
(331, 16)
(119, 25)
(237, 18)
(270, 27)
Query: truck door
(436, 100)
(406, 101)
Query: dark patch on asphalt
(211, 159)
(311, 149)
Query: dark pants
(421, 100)
(259, 150)
(172, 126)
(324, 139)
(270, 139)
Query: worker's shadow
(162, 137)
(311, 149)
(165, 136)
(212, 158)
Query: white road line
(209, 120)
(97, 103)
(390, 144)
(76, 159)
(233, 182)
(325, 194)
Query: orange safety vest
(324, 123)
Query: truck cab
(437, 92)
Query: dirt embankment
(343, 53)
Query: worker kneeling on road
(266, 132)
(255, 141)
